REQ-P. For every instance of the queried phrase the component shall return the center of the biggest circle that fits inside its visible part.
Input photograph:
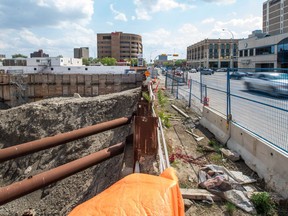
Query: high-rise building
(119, 45)
(82, 52)
(38, 53)
(275, 17)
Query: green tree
(134, 62)
(108, 61)
(180, 63)
(19, 56)
(85, 61)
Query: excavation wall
(24, 88)
(52, 116)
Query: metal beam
(49, 142)
(38, 181)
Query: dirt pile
(50, 117)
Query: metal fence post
(166, 80)
(190, 92)
(172, 84)
(177, 89)
(201, 88)
(228, 111)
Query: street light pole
(232, 54)
(151, 55)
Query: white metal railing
(163, 156)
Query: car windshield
(278, 76)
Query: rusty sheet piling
(38, 181)
(49, 142)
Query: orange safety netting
(137, 194)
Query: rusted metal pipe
(49, 142)
(38, 181)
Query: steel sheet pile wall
(23, 88)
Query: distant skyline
(166, 26)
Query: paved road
(268, 121)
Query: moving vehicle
(239, 75)
(206, 71)
(221, 70)
(193, 70)
(275, 84)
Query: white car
(275, 84)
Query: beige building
(275, 17)
(260, 50)
(213, 53)
(119, 45)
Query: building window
(251, 52)
(35, 69)
(52, 69)
(245, 53)
(69, 69)
(86, 68)
(282, 52)
(241, 53)
(106, 37)
(265, 50)
(37, 60)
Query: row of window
(258, 51)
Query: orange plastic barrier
(137, 195)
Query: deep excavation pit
(58, 115)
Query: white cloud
(110, 23)
(41, 13)
(221, 2)
(144, 8)
(188, 29)
(208, 20)
(118, 15)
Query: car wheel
(248, 86)
(273, 92)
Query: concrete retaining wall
(25, 88)
(269, 162)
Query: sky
(166, 26)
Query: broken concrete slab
(231, 155)
(198, 194)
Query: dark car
(239, 75)
(206, 71)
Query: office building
(119, 45)
(82, 52)
(275, 17)
(38, 54)
(213, 53)
(260, 50)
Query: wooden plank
(95, 90)
(198, 194)
(6, 93)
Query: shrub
(263, 203)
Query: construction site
(129, 149)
